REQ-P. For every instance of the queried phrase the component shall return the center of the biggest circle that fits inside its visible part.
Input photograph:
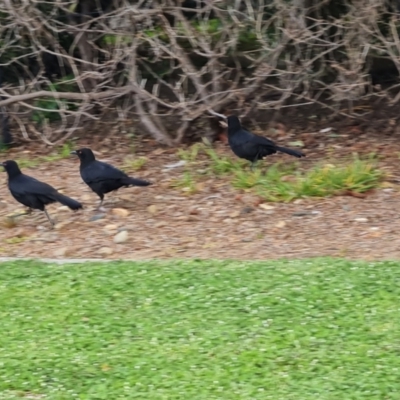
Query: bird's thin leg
(253, 164)
(100, 207)
(48, 217)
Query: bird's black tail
(67, 201)
(294, 153)
(135, 182)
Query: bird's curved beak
(74, 153)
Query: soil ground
(216, 222)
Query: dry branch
(114, 93)
(167, 63)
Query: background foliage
(67, 62)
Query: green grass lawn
(302, 330)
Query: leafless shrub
(66, 59)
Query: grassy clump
(310, 329)
(134, 164)
(283, 182)
(60, 153)
(280, 183)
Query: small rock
(280, 224)
(298, 143)
(246, 210)
(227, 221)
(96, 217)
(266, 206)
(298, 201)
(175, 165)
(110, 228)
(120, 212)
(121, 237)
(63, 208)
(235, 214)
(152, 209)
(106, 251)
(361, 219)
(62, 252)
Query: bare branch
(170, 65)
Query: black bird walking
(252, 147)
(32, 193)
(102, 177)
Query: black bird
(32, 193)
(252, 147)
(102, 177)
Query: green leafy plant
(284, 181)
(50, 107)
(135, 164)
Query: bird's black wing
(99, 171)
(25, 185)
(262, 141)
(249, 143)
